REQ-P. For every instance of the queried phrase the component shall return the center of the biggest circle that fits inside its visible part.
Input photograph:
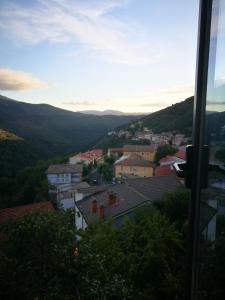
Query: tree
(106, 171)
(144, 252)
(163, 151)
(143, 259)
(211, 270)
(174, 206)
(42, 259)
(152, 247)
(38, 257)
(220, 155)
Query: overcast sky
(129, 55)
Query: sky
(128, 55)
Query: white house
(64, 173)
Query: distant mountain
(177, 117)
(45, 131)
(109, 112)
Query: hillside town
(136, 179)
(136, 132)
(113, 182)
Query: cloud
(88, 24)
(152, 104)
(15, 80)
(178, 90)
(166, 96)
(80, 103)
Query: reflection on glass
(212, 215)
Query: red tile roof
(166, 159)
(181, 154)
(165, 170)
(22, 210)
(90, 155)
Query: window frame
(204, 27)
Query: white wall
(64, 178)
(79, 220)
(59, 178)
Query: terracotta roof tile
(22, 210)
(181, 154)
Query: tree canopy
(43, 258)
(163, 151)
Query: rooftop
(90, 155)
(133, 160)
(181, 154)
(130, 195)
(171, 159)
(64, 168)
(22, 210)
(154, 187)
(73, 186)
(139, 148)
(115, 149)
(163, 170)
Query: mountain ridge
(49, 131)
(110, 112)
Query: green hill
(8, 136)
(45, 131)
(179, 117)
(176, 117)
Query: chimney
(101, 211)
(111, 198)
(94, 206)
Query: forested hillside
(45, 131)
(176, 117)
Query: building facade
(133, 165)
(64, 174)
(146, 152)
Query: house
(120, 200)
(164, 170)
(67, 199)
(166, 164)
(22, 210)
(146, 152)
(179, 139)
(65, 194)
(64, 173)
(114, 152)
(111, 133)
(80, 158)
(87, 157)
(181, 153)
(170, 160)
(132, 164)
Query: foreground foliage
(42, 258)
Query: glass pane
(212, 209)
